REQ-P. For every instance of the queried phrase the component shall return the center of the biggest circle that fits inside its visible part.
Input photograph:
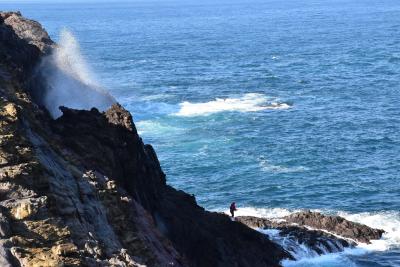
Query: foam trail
(251, 102)
(69, 80)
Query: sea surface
(277, 105)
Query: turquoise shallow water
(278, 106)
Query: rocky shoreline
(84, 190)
(321, 233)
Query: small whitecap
(267, 166)
(251, 102)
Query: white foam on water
(269, 213)
(70, 81)
(251, 102)
(151, 127)
(326, 260)
(386, 220)
(267, 166)
(298, 251)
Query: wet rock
(318, 241)
(321, 233)
(336, 225)
(333, 224)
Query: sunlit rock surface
(83, 190)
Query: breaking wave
(386, 220)
(251, 102)
(267, 166)
(269, 213)
(69, 80)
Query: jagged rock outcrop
(335, 224)
(321, 233)
(22, 43)
(204, 238)
(28, 30)
(83, 190)
(316, 240)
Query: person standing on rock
(232, 209)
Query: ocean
(279, 106)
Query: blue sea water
(277, 105)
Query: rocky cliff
(83, 190)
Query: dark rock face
(83, 190)
(23, 43)
(318, 241)
(28, 30)
(15, 52)
(212, 239)
(109, 143)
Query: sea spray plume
(69, 80)
(69, 59)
